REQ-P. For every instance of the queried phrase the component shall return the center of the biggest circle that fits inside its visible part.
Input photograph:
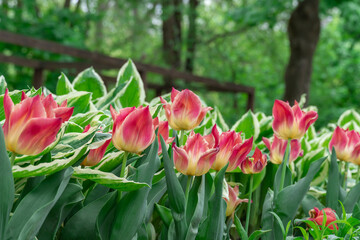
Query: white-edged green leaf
(79, 100)
(48, 168)
(108, 179)
(248, 124)
(3, 85)
(88, 80)
(63, 85)
(347, 116)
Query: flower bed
(86, 163)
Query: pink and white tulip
(134, 129)
(346, 144)
(233, 149)
(31, 125)
(196, 157)
(278, 147)
(95, 155)
(291, 122)
(185, 111)
(317, 216)
(254, 164)
(233, 201)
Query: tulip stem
(12, 158)
(286, 159)
(122, 173)
(181, 140)
(249, 204)
(188, 184)
(345, 175)
(358, 173)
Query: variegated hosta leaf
(108, 179)
(347, 116)
(84, 119)
(76, 140)
(49, 167)
(26, 158)
(111, 161)
(99, 139)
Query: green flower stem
(358, 173)
(249, 204)
(345, 175)
(12, 158)
(188, 184)
(283, 172)
(122, 173)
(181, 140)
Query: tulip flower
(31, 125)
(254, 164)
(278, 147)
(346, 144)
(233, 201)
(317, 217)
(291, 122)
(134, 129)
(185, 111)
(233, 149)
(95, 155)
(196, 157)
(164, 132)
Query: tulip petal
(297, 111)
(213, 137)
(37, 135)
(95, 155)
(64, 113)
(87, 127)
(181, 159)
(206, 160)
(23, 95)
(267, 143)
(8, 104)
(239, 154)
(118, 118)
(174, 93)
(64, 103)
(295, 149)
(308, 119)
(339, 140)
(113, 113)
(283, 116)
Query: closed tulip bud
(196, 157)
(233, 201)
(291, 122)
(254, 164)
(278, 147)
(30, 126)
(134, 129)
(163, 131)
(317, 217)
(346, 144)
(95, 155)
(233, 149)
(185, 111)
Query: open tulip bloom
(32, 124)
(163, 130)
(233, 201)
(196, 157)
(317, 216)
(185, 112)
(346, 144)
(278, 147)
(291, 122)
(232, 149)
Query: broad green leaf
(6, 186)
(82, 225)
(73, 127)
(110, 98)
(83, 119)
(175, 192)
(240, 229)
(352, 198)
(267, 219)
(213, 226)
(220, 120)
(33, 210)
(134, 94)
(79, 100)
(156, 193)
(197, 214)
(130, 212)
(77, 140)
(165, 214)
(3, 85)
(71, 196)
(347, 116)
(63, 85)
(89, 81)
(257, 234)
(49, 168)
(333, 186)
(108, 179)
(248, 124)
(309, 202)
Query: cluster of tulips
(33, 124)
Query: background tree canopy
(240, 41)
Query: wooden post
(250, 103)
(38, 77)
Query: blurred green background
(239, 41)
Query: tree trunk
(303, 32)
(191, 37)
(67, 4)
(171, 36)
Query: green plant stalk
(358, 173)
(181, 140)
(188, 186)
(12, 158)
(283, 172)
(249, 205)
(122, 173)
(345, 175)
